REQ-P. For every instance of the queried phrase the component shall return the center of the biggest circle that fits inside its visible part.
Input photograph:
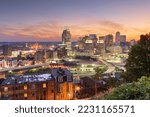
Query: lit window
(5, 89)
(60, 79)
(25, 87)
(44, 85)
(25, 95)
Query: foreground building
(55, 86)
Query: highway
(111, 66)
(23, 67)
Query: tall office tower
(7, 50)
(100, 46)
(117, 38)
(109, 40)
(94, 38)
(66, 38)
(122, 40)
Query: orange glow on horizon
(48, 31)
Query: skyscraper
(109, 40)
(120, 39)
(117, 38)
(66, 38)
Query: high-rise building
(66, 38)
(108, 40)
(81, 43)
(117, 38)
(100, 45)
(120, 39)
(89, 45)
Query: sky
(44, 20)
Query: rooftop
(1, 80)
(37, 78)
(27, 79)
(59, 72)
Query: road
(111, 66)
(23, 67)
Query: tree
(99, 72)
(132, 91)
(138, 62)
(113, 82)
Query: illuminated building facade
(120, 39)
(55, 86)
(92, 45)
(108, 40)
(66, 38)
(36, 46)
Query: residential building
(55, 86)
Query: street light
(77, 89)
(69, 95)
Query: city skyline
(39, 20)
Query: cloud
(41, 30)
(51, 30)
(112, 25)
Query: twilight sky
(44, 20)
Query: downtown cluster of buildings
(35, 53)
(56, 85)
(104, 44)
(59, 83)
